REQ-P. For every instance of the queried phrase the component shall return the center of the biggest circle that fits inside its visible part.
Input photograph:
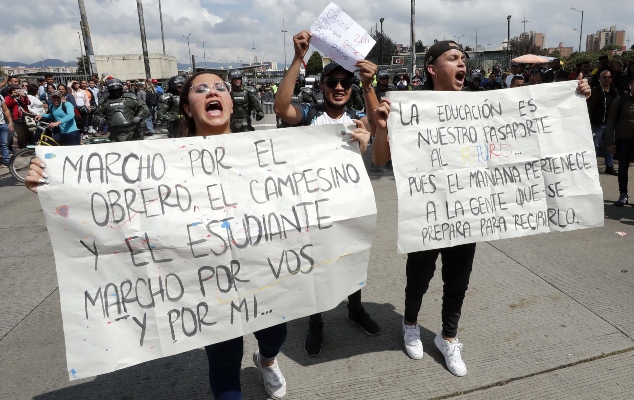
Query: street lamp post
(458, 38)
(83, 60)
(508, 42)
(204, 54)
(162, 34)
(189, 50)
(382, 39)
(581, 28)
(284, 31)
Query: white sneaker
(452, 353)
(411, 337)
(274, 382)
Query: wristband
(368, 89)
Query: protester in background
(561, 76)
(602, 65)
(41, 90)
(6, 133)
(18, 102)
(225, 358)
(50, 80)
(599, 105)
(9, 80)
(63, 115)
(621, 122)
(37, 107)
(618, 79)
(417, 75)
(510, 76)
(493, 83)
(549, 76)
(445, 70)
(336, 86)
(625, 89)
(535, 76)
(517, 81)
(82, 102)
(151, 98)
(141, 94)
(66, 97)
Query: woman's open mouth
(214, 109)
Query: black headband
(439, 48)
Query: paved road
(547, 316)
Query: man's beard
(334, 106)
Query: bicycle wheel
(19, 163)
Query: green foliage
(83, 65)
(1, 70)
(418, 46)
(389, 49)
(523, 45)
(314, 66)
(610, 47)
(576, 58)
(555, 53)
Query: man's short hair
(517, 78)
(562, 75)
(48, 75)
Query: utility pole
(190, 52)
(146, 57)
(83, 60)
(580, 30)
(382, 38)
(162, 34)
(253, 48)
(284, 31)
(413, 17)
(508, 42)
(87, 39)
(204, 54)
(525, 21)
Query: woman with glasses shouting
(206, 106)
(336, 87)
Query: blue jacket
(66, 118)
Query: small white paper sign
(339, 37)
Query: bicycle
(21, 159)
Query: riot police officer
(356, 97)
(301, 94)
(244, 102)
(383, 84)
(168, 105)
(122, 111)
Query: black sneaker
(363, 320)
(314, 338)
(622, 200)
(611, 171)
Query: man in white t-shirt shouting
(336, 86)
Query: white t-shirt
(36, 107)
(81, 98)
(324, 119)
(509, 79)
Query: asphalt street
(546, 317)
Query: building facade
(604, 37)
(564, 51)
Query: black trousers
(624, 150)
(457, 263)
(354, 304)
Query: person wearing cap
(65, 130)
(549, 76)
(445, 70)
(17, 102)
(336, 86)
(602, 65)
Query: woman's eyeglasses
(201, 88)
(346, 83)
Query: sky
(35, 29)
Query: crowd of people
(206, 104)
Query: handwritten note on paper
(472, 167)
(165, 246)
(337, 36)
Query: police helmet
(383, 74)
(114, 84)
(175, 83)
(235, 74)
(301, 80)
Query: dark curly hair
(188, 126)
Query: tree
(578, 58)
(610, 47)
(83, 65)
(555, 53)
(524, 45)
(1, 70)
(389, 49)
(418, 46)
(468, 48)
(314, 66)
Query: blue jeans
(4, 143)
(148, 123)
(598, 131)
(225, 360)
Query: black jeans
(457, 263)
(624, 149)
(68, 139)
(354, 304)
(225, 359)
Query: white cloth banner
(169, 245)
(339, 37)
(473, 167)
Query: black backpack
(151, 99)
